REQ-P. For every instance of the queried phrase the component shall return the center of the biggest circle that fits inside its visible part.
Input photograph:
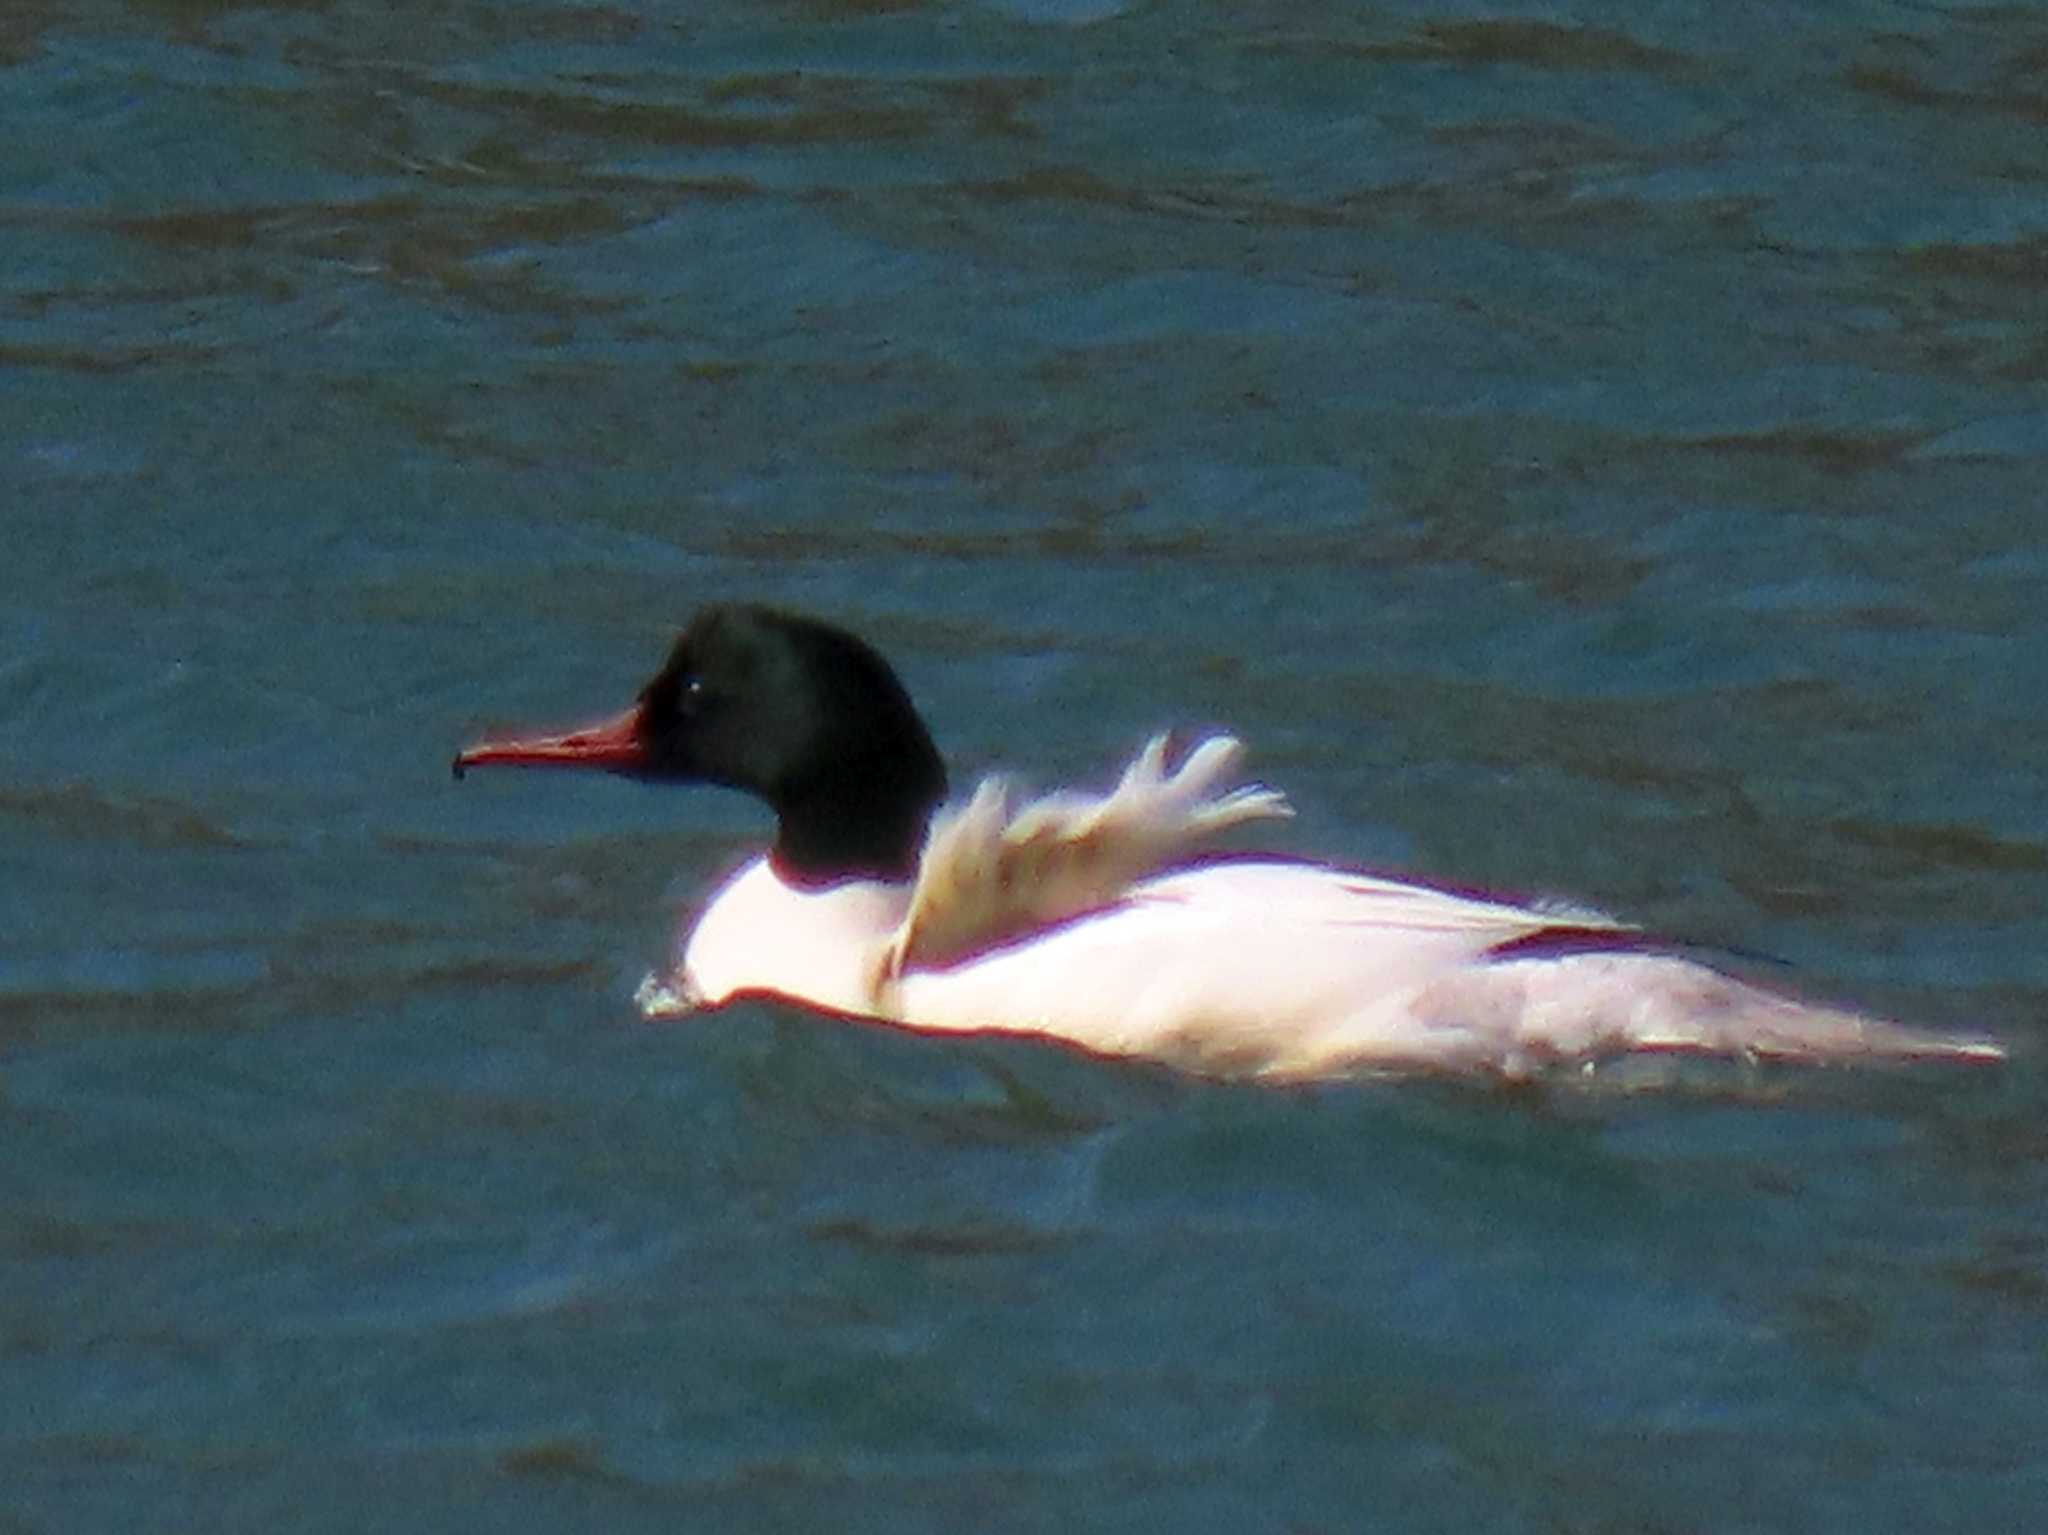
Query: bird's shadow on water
(1107, 1132)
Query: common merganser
(1097, 919)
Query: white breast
(819, 946)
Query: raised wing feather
(988, 874)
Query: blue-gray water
(1581, 446)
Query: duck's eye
(691, 694)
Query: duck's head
(805, 716)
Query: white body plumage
(1235, 967)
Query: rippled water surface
(1583, 447)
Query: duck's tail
(1768, 1026)
(1652, 1002)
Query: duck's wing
(988, 874)
(1357, 898)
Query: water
(1582, 447)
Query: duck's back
(1270, 968)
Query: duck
(1114, 921)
